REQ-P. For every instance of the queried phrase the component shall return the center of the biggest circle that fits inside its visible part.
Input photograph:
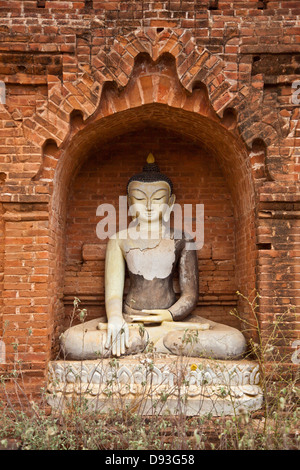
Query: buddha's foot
(196, 337)
(87, 341)
(178, 325)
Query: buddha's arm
(189, 285)
(117, 329)
(114, 279)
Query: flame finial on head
(150, 158)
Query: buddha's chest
(152, 262)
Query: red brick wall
(225, 86)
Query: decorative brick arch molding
(194, 65)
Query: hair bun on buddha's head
(150, 174)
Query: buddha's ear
(131, 209)
(172, 201)
(167, 213)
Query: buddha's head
(150, 193)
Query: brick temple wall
(86, 87)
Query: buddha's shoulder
(123, 234)
(180, 235)
(118, 238)
(126, 239)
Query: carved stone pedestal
(157, 384)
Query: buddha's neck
(151, 230)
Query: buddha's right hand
(117, 335)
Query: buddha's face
(149, 201)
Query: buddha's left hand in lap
(153, 316)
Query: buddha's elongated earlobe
(132, 210)
(166, 215)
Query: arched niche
(153, 103)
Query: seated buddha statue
(151, 312)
